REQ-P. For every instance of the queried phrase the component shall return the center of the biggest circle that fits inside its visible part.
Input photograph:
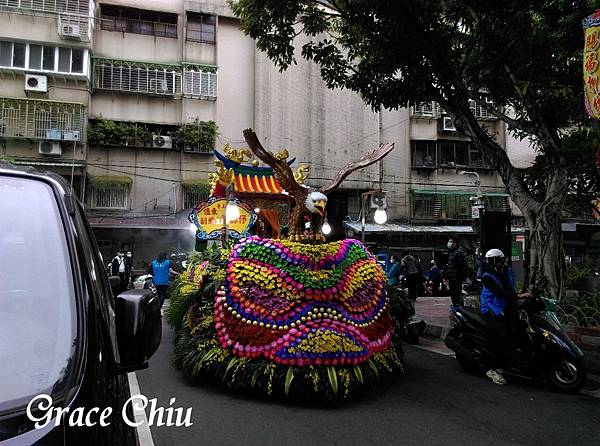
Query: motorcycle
(541, 351)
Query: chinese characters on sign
(209, 218)
(591, 26)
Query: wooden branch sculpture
(308, 213)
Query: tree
(523, 55)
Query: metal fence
(109, 198)
(136, 79)
(82, 7)
(38, 119)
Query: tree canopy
(525, 56)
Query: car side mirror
(139, 328)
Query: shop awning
(418, 229)
(43, 163)
(457, 192)
(116, 222)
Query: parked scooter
(541, 350)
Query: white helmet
(494, 253)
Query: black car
(63, 335)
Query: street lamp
(380, 216)
(479, 201)
(326, 229)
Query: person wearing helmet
(498, 305)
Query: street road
(433, 403)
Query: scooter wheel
(566, 375)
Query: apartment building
(128, 99)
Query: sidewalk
(434, 311)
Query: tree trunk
(546, 274)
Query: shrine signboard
(209, 218)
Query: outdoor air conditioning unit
(162, 142)
(378, 200)
(36, 82)
(50, 148)
(448, 124)
(70, 31)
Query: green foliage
(6, 159)
(106, 131)
(110, 182)
(581, 269)
(198, 135)
(578, 148)
(197, 186)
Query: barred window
(201, 28)
(136, 79)
(193, 196)
(199, 83)
(137, 21)
(115, 197)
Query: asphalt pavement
(433, 403)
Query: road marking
(143, 430)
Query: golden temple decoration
(282, 155)
(237, 155)
(222, 175)
(301, 174)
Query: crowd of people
(407, 272)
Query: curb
(590, 359)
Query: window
(201, 28)
(48, 58)
(34, 313)
(18, 55)
(193, 196)
(35, 57)
(199, 83)
(110, 197)
(424, 154)
(450, 204)
(138, 21)
(429, 109)
(454, 153)
(42, 58)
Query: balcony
(137, 77)
(80, 7)
(200, 81)
(41, 119)
(109, 192)
(446, 154)
(138, 21)
(425, 110)
(450, 205)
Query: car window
(37, 299)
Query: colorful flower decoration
(303, 305)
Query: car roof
(55, 180)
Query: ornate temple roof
(248, 179)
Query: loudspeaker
(495, 232)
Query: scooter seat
(473, 316)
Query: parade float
(294, 316)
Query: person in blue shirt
(161, 271)
(498, 305)
(393, 272)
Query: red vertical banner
(591, 63)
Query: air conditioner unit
(162, 142)
(158, 85)
(50, 148)
(36, 82)
(378, 200)
(70, 135)
(448, 124)
(70, 31)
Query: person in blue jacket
(498, 305)
(393, 272)
(161, 270)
